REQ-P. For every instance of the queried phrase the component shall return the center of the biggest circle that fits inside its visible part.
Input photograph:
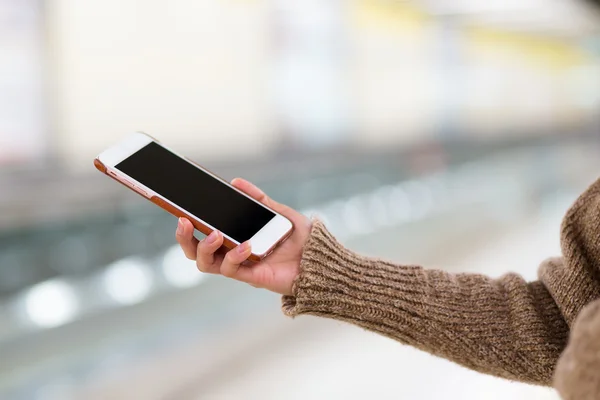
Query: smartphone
(186, 189)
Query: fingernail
(180, 227)
(212, 237)
(244, 247)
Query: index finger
(185, 238)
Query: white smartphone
(188, 190)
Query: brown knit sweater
(505, 327)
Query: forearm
(505, 327)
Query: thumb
(257, 194)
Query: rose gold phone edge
(172, 208)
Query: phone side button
(134, 187)
(142, 192)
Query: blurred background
(450, 133)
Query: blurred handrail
(37, 196)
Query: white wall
(190, 72)
(206, 77)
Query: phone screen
(196, 192)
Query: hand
(275, 273)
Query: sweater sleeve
(505, 327)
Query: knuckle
(231, 257)
(227, 272)
(202, 267)
(203, 248)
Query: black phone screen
(196, 192)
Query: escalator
(137, 312)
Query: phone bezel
(271, 234)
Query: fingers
(234, 259)
(207, 258)
(205, 252)
(185, 238)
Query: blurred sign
(21, 111)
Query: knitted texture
(505, 327)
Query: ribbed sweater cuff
(311, 291)
(335, 282)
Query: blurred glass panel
(22, 116)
